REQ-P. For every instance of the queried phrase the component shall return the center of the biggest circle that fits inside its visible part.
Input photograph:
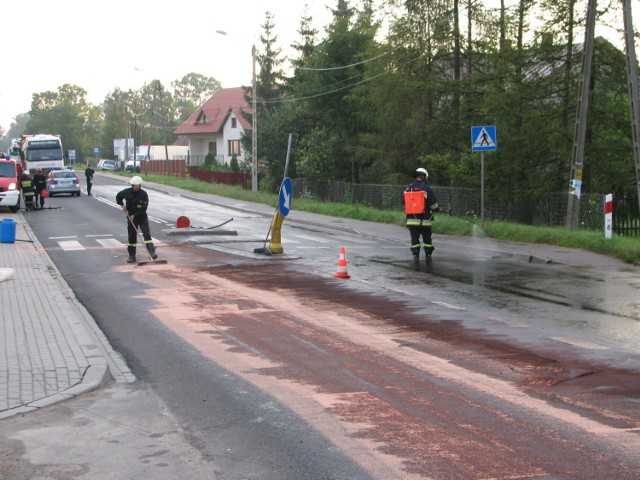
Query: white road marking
(580, 343)
(448, 305)
(506, 321)
(69, 245)
(75, 245)
(110, 243)
(312, 239)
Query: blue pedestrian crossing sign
(484, 138)
(284, 197)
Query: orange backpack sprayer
(414, 202)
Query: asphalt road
(270, 368)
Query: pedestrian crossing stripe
(110, 242)
(70, 245)
(75, 245)
(483, 138)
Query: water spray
(460, 217)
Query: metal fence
(547, 210)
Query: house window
(234, 147)
(213, 148)
(202, 119)
(234, 123)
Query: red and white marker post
(608, 216)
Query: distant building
(217, 127)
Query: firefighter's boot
(416, 254)
(152, 250)
(428, 251)
(132, 254)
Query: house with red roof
(217, 127)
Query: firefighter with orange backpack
(419, 204)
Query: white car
(65, 180)
(108, 165)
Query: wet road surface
(401, 388)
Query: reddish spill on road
(405, 395)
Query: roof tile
(216, 110)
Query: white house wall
(229, 133)
(199, 143)
(199, 147)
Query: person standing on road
(134, 202)
(28, 192)
(88, 173)
(420, 202)
(40, 184)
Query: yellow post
(276, 233)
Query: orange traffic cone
(342, 265)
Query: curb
(94, 376)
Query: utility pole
(126, 140)
(580, 133)
(254, 127)
(634, 95)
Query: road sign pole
(482, 190)
(483, 138)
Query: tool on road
(153, 261)
(184, 222)
(264, 248)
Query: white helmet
(421, 172)
(135, 180)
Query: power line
(328, 92)
(349, 66)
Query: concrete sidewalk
(51, 349)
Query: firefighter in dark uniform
(40, 184)
(28, 191)
(420, 203)
(89, 173)
(134, 202)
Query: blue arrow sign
(484, 138)
(284, 198)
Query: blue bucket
(7, 231)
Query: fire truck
(9, 184)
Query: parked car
(108, 165)
(128, 167)
(63, 181)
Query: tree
(191, 91)
(269, 85)
(16, 129)
(335, 68)
(67, 113)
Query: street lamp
(254, 120)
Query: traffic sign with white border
(484, 138)
(284, 198)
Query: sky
(126, 43)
